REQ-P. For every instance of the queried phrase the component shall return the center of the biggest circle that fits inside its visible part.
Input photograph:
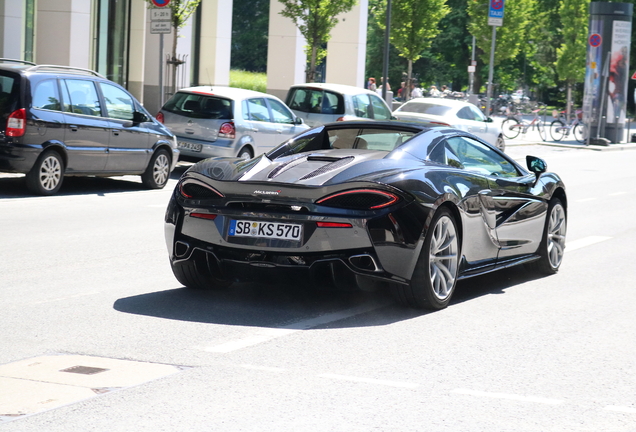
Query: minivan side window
(119, 104)
(362, 106)
(83, 97)
(46, 96)
(280, 113)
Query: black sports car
(367, 204)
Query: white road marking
(508, 396)
(267, 334)
(620, 409)
(618, 193)
(586, 241)
(262, 368)
(370, 381)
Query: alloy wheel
(556, 235)
(443, 258)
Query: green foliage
(250, 27)
(248, 80)
(315, 19)
(414, 23)
(571, 54)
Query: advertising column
(609, 40)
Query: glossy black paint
(500, 220)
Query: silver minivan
(226, 121)
(320, 103)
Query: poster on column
(591, 97)
(618, 71)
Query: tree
(181, 11)
(315, 19)
(571, 54)
(512, 37)
(414, 23)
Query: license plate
(273, 230)
(190, 146)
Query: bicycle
(514, 124)
(560, 129)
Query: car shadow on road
(275, 306)
(14, 186)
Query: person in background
(415, 91)
(401, 93)
(371, 84)
(445, 91)
(433, 92)
(388, 86)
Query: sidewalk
(532, 138)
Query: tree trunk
(409, 80)
(311, 72)
(174, 60)
(568, 108)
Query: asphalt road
(97, 335)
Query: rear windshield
(425, 108)
(316, 101)
(377, 139)
(200, 106)
(9, 95)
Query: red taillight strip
(333, 225)
(393, 198)
(210, 216)
(16, 123)
(198, 183)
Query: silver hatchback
(226, 121)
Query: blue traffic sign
(160, 3)
(496, 13)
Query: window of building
(112, 28)
(29, 30)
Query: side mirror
(298, 121)
(536, 165)
(489, 120)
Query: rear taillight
(159, 117)
(16, 123)
(209, 216)
(333, 225)
(227, 130)
(360, 199)
(340, 119)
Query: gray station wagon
(58, 121)
(226, 121)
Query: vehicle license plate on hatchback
(273, 230)
(190, 146)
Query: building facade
(119, 39)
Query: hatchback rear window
(200, 106)
(425, 108)
(9, 91)
(311, 100)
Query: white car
(453, 113)
(320, 103)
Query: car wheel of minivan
(246, 153)
(158, 171)
(45, 177)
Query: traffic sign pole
(495, 19)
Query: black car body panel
(501, 216)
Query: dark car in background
(227, 121)
(367, 205)
(58, 121)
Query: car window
(477, 115)
(368, 138)
(256, 110)
(362, 106)
(425, 108)
(380, 111)
(280, 113)
(119, 104)
(46, 96)
(332, 103)
(199, 106)
(8, 96)
(479, 158)
(443, 154)
(465, 114)
(83, 97)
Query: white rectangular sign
(163, 14)
(160, 27)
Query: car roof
(339, 88)
(440, 101)
(226, 92)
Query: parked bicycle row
(556, 130)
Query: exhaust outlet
(181, 249)
(365, 262)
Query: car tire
(246, 153)
(435, 275)
(557, 131)
(158, 171)
(198, 273)
(501, 143)
(511, 128)
(47, 174)
(552, 246)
